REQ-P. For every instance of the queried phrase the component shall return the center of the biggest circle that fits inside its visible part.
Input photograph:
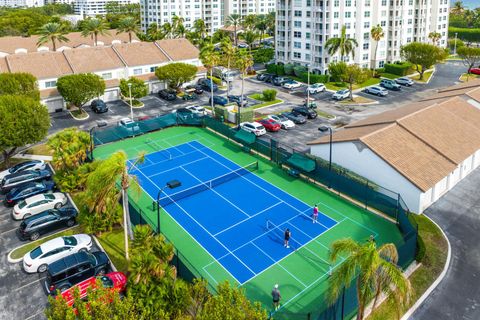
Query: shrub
(315, 78)
(272, 68)
(139, 88)
(380, 70)
(299, 70)
(280, 70)
(451, 44)
(400, 69)
(246, 115)
(336, 70)
(288, 69)
(269, 94)
(215, 80)
(466, 34)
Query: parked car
(131, 126)
(269, 78)
(167, 94)
(222, 101)
(341, 94)
(21, 178)
(296, 118)
(39, 258)
(475, 71)
(291, 84)
(53, 219)
(304, 111)
(390, 84)
(284, 121)
(39, 203)
(98, 106)
(30, 189)
(236, 99)
(279, 81)
(316, 88)
(114, 280)
(197, 88)
(197, 110)
(242, 46)
(270, 125)
(75, 268)
(253, 127)
(24, 166)
(207, 84)
(262, 76)
(404, 81)
(376, 91)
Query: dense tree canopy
(175, 74)
(69, 148)
(78, 89)
(138, 88)
(423, 55)
(19, 84)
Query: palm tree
(250, 37)
(243, 61)
(261, 25)
(377, 34)
(249, 22)
(344, 45)
(210, 58)
(434, 36)
(200, 27)
(128, 25)
(234, 20)
(52, 32)
(167, 30)
(375, 269)
(93, 28)
(270, 20)
(178, 29)
(457, 8)
(228, 53)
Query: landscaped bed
(114, 245)
(426, 76)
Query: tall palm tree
(434, 36)
(180, 31)
(128, 25)
(249, 22)
(377, 34)
(261, 25)
(178, 28)
(250, 37)
(200, 27)
(270, 19)
(93, 28)
(234, 20)
(243, 61)
(210, 58)
(343, 44)
(375, 269)
(167, 30)
(228, 53)
(52, 32)
(458, 8)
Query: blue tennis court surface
(225, 208)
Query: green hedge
(269, 94)
(400, 69)
(288, 68)
(246, 115)
(315, 78)
(220, 111)
(299, 70)
(466, 34)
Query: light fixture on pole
(172, 184)
(308, 86)
(131, 105)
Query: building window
(335, 26)
(348, 3)
(384, 2)
(307, 35)
(297, 34)
(297, 45)
(336, 14)
(307, 57)
(298, 13)
(366, 36)
(366, 25)
(107, 76)
(307, 25)
(307, 46)
(365, 56)
(152, 69)
(365, 46)
(137, 71)
(347, 25)
(366, 14)
(297, 24)
(348, 14)
(383, 23)
(50, 84)
(297, 55)
(336, 3)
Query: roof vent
(116, 41)
(21, 50)
(43, 48)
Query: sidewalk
(32, 157)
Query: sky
(471, 4)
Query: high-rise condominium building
(92, 8)
(21, 3)
(213, 12)
(303, 27)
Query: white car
(28, 165)
(253, 127)
(404, 81)
(39, 258)
(379, 91)
(292, 84)
(316, 88)
(284, 121)
(341, 94)
(39, 203)
(197, 110)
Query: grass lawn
(342, 85)
(433, 260)
(426, 76)
(259, 97)
(465, 77)
(357, 100)
(20, 252)
(323, 114)
(114, 245)
(40, 149)
(389, 75)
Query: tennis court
(228, 216)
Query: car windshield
(70, 241)
(49, 196)
(106, 282)
(92, 259)
(35, 253)
(16, 167)
(260, 127)
(22, 204)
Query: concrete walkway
(32, 157)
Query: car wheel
(379, 94)
(35, 236)
(58, 205)
(101, 272)
(42, 268)
(70, 223)
(367, 91)
(27, 215)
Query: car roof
(35, 198)
(52, 244)
(67, 262)
(21, 173)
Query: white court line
(208, 232)
(310, 217)
(174, 168)
(256, 214)
(210, 276)
(203, 182)
(293, 276)
(175, 147)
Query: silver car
(404, 81)
(376, 91)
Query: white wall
(358, 158)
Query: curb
(101, 248)
(427, 293)
(88, 116)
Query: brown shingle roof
(93, 59)
(10, 44)
(350, 134)
(178, 49)
(474, 94)
(42, 65)
(141, 53)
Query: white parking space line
(28, 284)
(1, 233)
(34, 315)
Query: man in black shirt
(276, 297)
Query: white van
(223, 73)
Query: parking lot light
(172, 184)
(325, 129)
(131, 105)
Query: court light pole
(325, 129)
(131, 106)
(308, 86)
(455, 45)
(172, 184)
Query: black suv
(67, 272)
(168, 94)
(21, 178)
(304, 111)
(32, 227)
(99, 106)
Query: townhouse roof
(178, 49)
(423, 141)
(93, 59)
(150, 53)
(40, 64)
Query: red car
(270, 124)
(475, 71)
(115, 280)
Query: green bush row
(246, 115)
(466, 34)
(298, 71)
(400, 69)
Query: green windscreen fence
(301, 162)
(245, 137)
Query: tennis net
(168, 199)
